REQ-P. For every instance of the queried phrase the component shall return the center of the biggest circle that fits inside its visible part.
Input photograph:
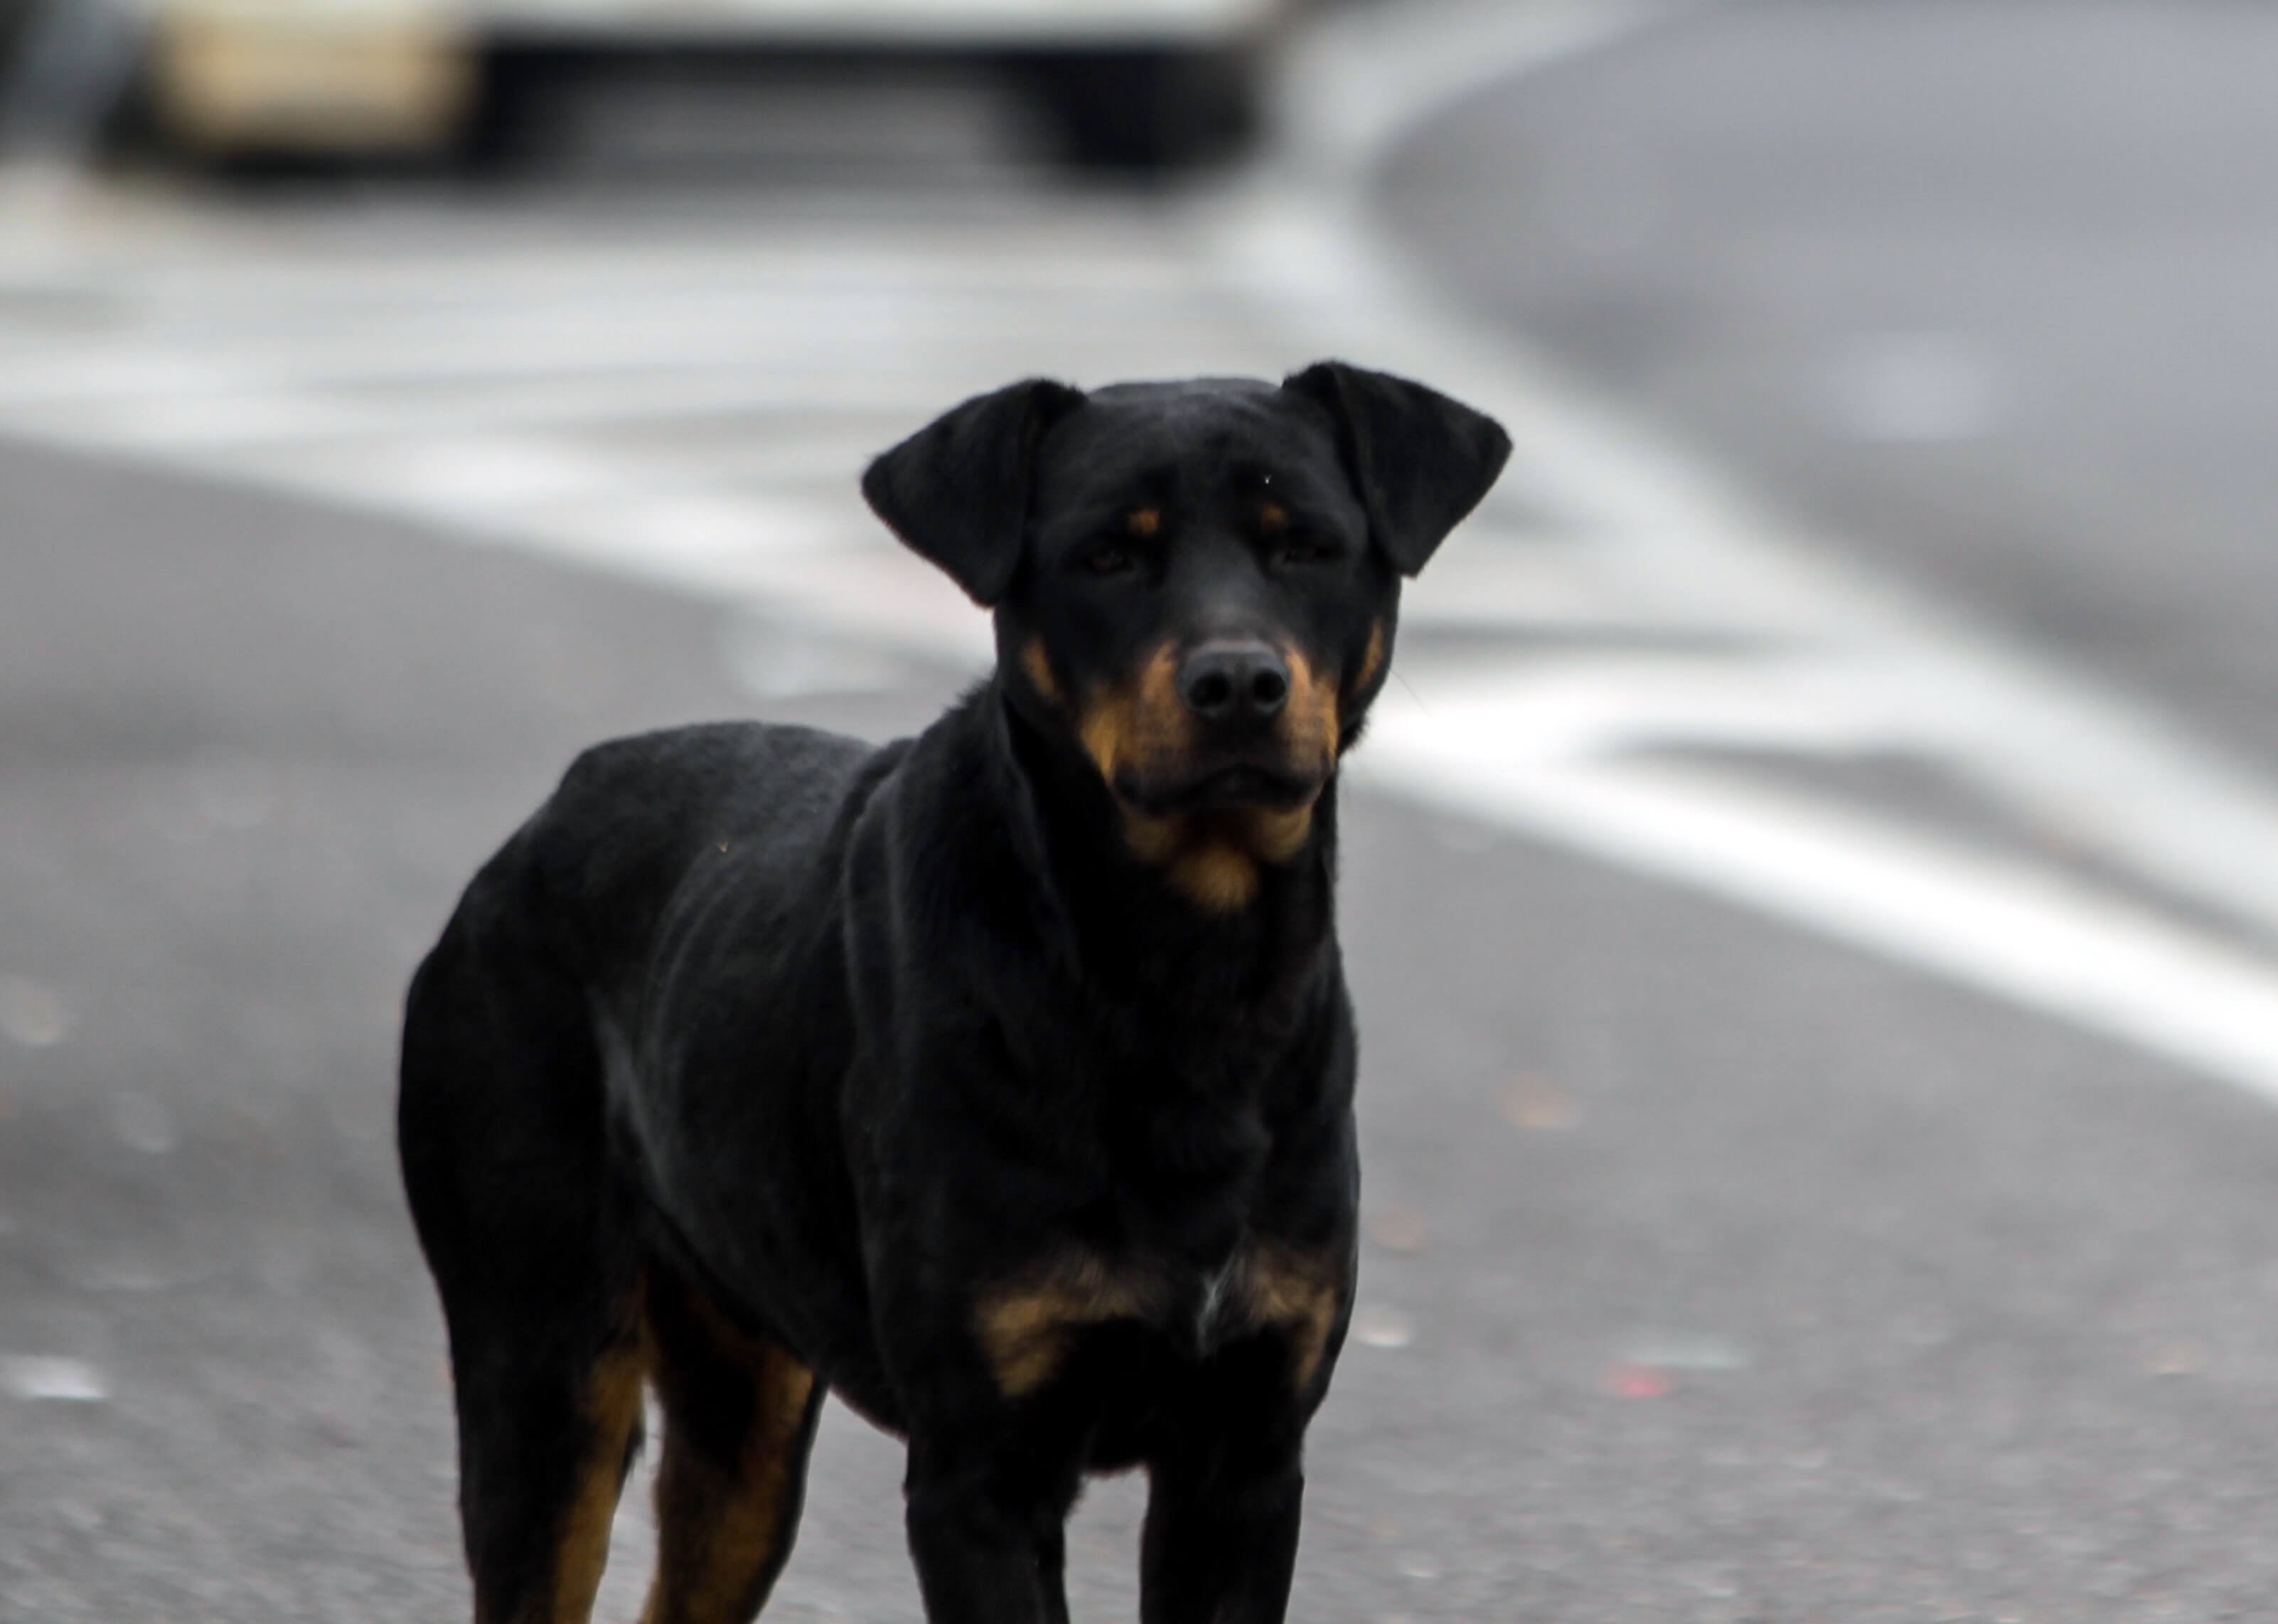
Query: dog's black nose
(1234, 682)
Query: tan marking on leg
(726, 1508)
(1039, 668)
(1296, 1293)
(612, 1409)
(1027, 1329)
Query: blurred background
(1812, 893)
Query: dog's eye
(1302, 551)
(1106, 558)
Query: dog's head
(1194, 584)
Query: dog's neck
(1140, 934)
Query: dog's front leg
(986, 1530)
(1221, 1536)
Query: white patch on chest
(1210, 1308)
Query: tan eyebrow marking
(1273, 516)
(1145, 521)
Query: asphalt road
(1984, 286)
(1737, 1278)
(1714, 1273)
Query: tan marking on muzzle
(1372, 659)
(1139, 725)
(1217, 874)
(1038, 665)
(1276, 834)
(1142, 728)
(1307, 723)
(1214, 858)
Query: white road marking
(2028, 934)
(691, 409)
(1912, 388)
(47, 1377)
(1375, 1325)
(694, 412)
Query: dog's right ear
(956, 491)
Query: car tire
(1146, 110)
(517, 123)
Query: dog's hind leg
(543, 1454)
(501, 1131)
(739, 1417)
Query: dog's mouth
(1276, 787)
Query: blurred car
(1128, 83)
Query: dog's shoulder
(950, 847)
(702, 772)
(601, 858)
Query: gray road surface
(1714, 1273)
(1738, 1277)
(1984, 286)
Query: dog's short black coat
(1000, 1079)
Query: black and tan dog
(1000, 1079)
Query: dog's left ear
(956, 491)
(1421, 461)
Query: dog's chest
(1029, 1327)
(1196, 1307)
(1216, 1307)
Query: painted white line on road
(2025, 934)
